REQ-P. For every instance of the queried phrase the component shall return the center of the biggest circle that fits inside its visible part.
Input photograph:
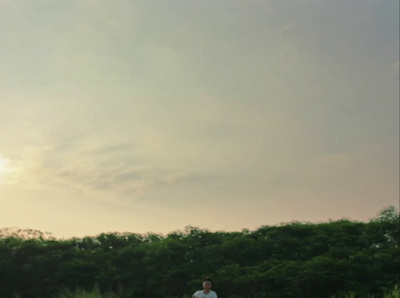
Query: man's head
(207, 284)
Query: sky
(150, 116)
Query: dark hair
(207, 279)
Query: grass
(393, 294)
(95, 293)
(79, 293)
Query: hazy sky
(148, 116)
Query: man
(206, 292)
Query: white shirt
(201, 294)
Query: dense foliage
(291, 260)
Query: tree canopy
(289, 260)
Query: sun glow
(3, 163)
(9, 171)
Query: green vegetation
(79, 293)
(393, 294)
(335, 259)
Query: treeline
(291, 260)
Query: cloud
(96, 172)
